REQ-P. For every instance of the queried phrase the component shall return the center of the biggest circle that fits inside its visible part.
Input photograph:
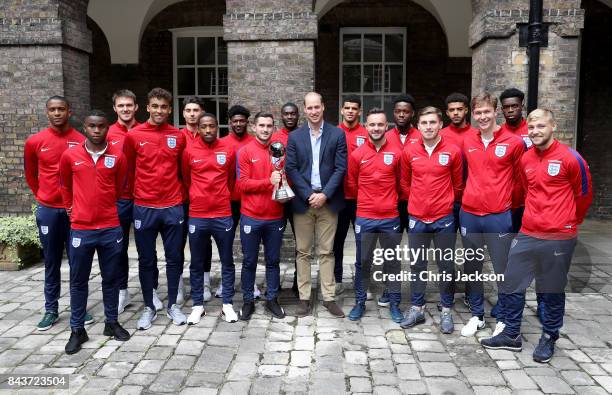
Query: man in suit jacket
(316, 164)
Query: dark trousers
(420, 235)
(346, 216)
(494, 230)
(125, 208)
(200, 232)
(252, 233)
(517, 219)
(53, 229)
(148, 223)
(367, 233)
(108, 244)
(548, 261)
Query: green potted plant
(19, 243)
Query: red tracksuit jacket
(355, 138)
(559, 192)
(374, 178)
(237, 144)
(456, 135)
(92, 189)
(432, 183)
(189, 137)
(154, 159)
(116, 136)
(209, 174)
(492, 172)
(281, 136)
(42, 154)
(254, 170)
(521, 130)
(393, 136)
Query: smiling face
(58, 113)
(159, 110)
(350, 113)
(263, 128)
(126, 108)
(429, 125)
(376, 125)
(484, 115)
(191, 113)
(541, 129)
(96, 129)
(313, 108)
(238, 124)
(289, 117)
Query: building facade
(263, 53)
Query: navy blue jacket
(332, 166)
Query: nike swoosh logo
(413, 159)
(281, 228)
(364, 161)
(528, 170)
(503, 235)
(228, 229)
(44, 149)
(472, 149)
(143, 143)
(558, 253)
(181, 221)
(396, 227)
(120, 240)
(114, 142)
(449, 224)
(197, 160)
(254, 160)
(78, 163)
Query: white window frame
(195, 32)
(364, 31)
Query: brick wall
(594, 122)
(430, 74)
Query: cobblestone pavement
(317, 354)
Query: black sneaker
(77, 337)
(116, 331)
(247, 310)
(545, 349)
(503, 342)
(275, 309)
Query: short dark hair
(159, 93)
(263, 114)
(512, 92)
(237, 109)
(375, 110)
(404, 99)
(208, 115)
(57, 97)
(193, 100)
(124, 93)
(352, 99)
(290, 104)
(457, 97)
(96, 113)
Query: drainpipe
(536, 36)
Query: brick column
(498, 61)
(270, 52)
(44, 51)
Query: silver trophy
(282, 191)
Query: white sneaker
(156, 301)
(124, 300)
(196, 313)
(228, 313)
(473, 325)
(219, 291)
(146, 319)
(207, 295)
(180, 294)
(176, 315)
(499, 328)
(256, 292)
(369, 295)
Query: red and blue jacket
(116, 136)
(237, 143)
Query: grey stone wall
(498, 62)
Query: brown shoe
(303, 308)
(334, 309)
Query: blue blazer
(332, 166)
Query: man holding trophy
(263, 190)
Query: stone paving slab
(318, 354)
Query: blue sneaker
(357, 312)
(413, 317)
(503, 342)
(383, 300)
(396, 313)
(545, 349)
(495, 310)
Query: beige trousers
(320, 223)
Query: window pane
(388, 107)
(210, 105)
(351, 47)
(372, 78)
(394, 48)
(186, 81)
(393, 77)
(223, 111)
(370, 102)
(185, 51)
(372, 48)
(222, 81)
(207, 83)
(351, 79)
(181, 107)
(206, 50)
(221, 51)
